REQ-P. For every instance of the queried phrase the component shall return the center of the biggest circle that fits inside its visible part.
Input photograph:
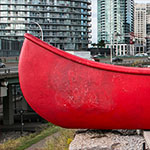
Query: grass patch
(26, 141)
(61, 141)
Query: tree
(101, 44)
(93, 44)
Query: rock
(107, 140)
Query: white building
(116, 17)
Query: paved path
(41, 144)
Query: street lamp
(39, 27)
(115, 37)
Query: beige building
(140, 27)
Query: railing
(7, 60)
(9, 53)
(127, 62)
(9, 70)
(133, 63)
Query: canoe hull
(75, 95)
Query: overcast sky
(94, 18)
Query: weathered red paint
(76, 93)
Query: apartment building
(148, 27)
(64, 23)
(140, 27)
(115, 24)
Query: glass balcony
(58, 20)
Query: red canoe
(73, 92)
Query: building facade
(140, 27)
(148, 27)
(115, 24)
(65, 24)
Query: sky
(94, 18)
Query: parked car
(117, 59)
(141, 54)
(2, 65)
(145, 54)
(138, 54)
(96, 57)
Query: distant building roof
(101, 51)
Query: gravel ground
(107, 140)
(30, 127)
(4, 136)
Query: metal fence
(9, 53)
(138, 63)
(9, 70)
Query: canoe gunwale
(79, 60)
